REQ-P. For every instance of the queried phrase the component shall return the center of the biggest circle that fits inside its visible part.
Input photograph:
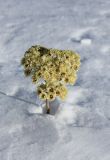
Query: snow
(79, 127)
(35, 109)
(86, 41)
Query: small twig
(47, 107)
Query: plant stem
(47, 107)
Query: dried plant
(51, 70)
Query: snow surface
(79, 128)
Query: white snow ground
(80, 129)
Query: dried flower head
(55, 67)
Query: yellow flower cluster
(55, 67)
(50, 90)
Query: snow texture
(79, 127)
